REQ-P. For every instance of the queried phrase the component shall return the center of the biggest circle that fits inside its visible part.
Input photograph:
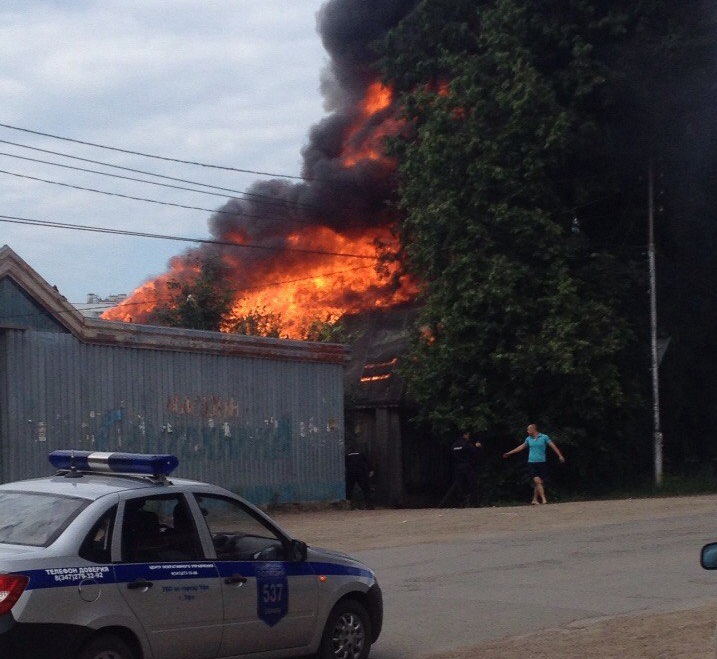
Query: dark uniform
(359, 472)
(464, 456)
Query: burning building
(410, 466)
(326, 246)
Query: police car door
(269, 603)
(163, 576)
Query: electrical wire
(151, 201)
(266, 218)
(254, 196)
(11, 219)
(149, 155)
(118, 176)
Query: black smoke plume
(345, 199)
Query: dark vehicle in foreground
(112, 558)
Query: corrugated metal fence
(270, 430)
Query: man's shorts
(538, 470)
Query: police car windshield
(27, 518)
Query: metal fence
(269, 429)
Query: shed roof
(28, 302)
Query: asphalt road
(447, 595)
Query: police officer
(358, 472)
(464, 456)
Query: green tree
(329, 330)
(256, 322)
(529, 131)
(199, 300)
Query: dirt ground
(675, 635)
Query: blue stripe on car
(125, 573)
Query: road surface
(617, 578)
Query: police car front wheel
(347, 634)
(106, 646)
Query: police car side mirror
(297, 551)
(708, 556)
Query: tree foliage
(198, 300)
(255, 322)
(522, 176)
(329, 330)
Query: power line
(118, 176)
(10, 219)
(149, 201)
(251, 195)
(149, 155)
(294, 218)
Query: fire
(364, 138)
(325, 269)
(444, 88)
(145, 299)
(297, 289)
(326, 287)
(376, 378)
(378, 97)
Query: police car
(111, 558)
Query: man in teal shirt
(537, 443)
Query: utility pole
(657, 433)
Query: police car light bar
(116, 463)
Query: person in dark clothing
(465, 454)
(358, 472)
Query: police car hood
(318, 555)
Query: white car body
(95, 564)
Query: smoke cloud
(339, 207)
(347, 199)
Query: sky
(226, 82)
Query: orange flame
(326, 287)
(300, 287)
(145, 299)
(375, 378)
(378, 97)
(364, 139)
